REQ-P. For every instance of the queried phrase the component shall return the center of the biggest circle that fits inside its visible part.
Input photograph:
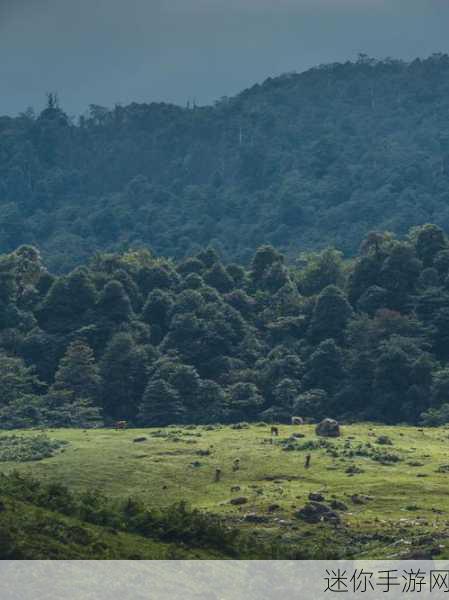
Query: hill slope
(391, 499)
(301, 161)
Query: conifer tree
(78, 373)
(124, 372)
(161, 404)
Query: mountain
(301, 161)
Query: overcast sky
(108, 51)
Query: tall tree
(123, 369)
(78, 373)
(161, 404)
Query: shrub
(435, 417)
(15, 448)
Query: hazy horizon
(173, 51)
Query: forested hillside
(155, 341)
(300, 162)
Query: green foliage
(321, 269)
(331, 314)
(16, 380)
(161, 404)
(270, 169)
(435, 417)
(64, 409)
(123, 370)
(15, 448)
(154, 341)
(177, 524)
(77, 373)
(23, 412)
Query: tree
(186, 381)
(123, 369)
(114, 303)
(373, 299)
(156, 312)
(275, 278)
(24, 412)
(218, 278)
(64, 409)
(244, 400)
(211, 402)
(430, 240)
(28, 268)
(330, 316)
(16, 379)
(264, 258)
(399, 275)
(325, 368)
(312, 404)
(400, 375)
(285, 393)
(78, 373)
(67, 301)
(322, 269)
(161, 405)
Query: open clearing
(396, 493)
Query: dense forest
(301, 162)
(157, 341)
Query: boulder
(297, 421)
(140, 439)
(316, 497)
(239, 500)
(338, 505)
(359, 499)
(255, 518)
(328, 428)
(384, 440)
(314, 512)
(353, 470)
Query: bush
(15, 448)
(22, 413)
(435, 417)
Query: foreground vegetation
(386, 487)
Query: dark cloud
(107, 51)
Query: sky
(119, 51)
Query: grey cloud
(107, 51)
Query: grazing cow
(297, 421)
(120, 425)
(307, 463)
(236, 464)
(217, 475)
(275, 431)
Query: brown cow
(275, 431)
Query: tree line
(156, 341)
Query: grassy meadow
(390, 485)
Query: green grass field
(402, 504)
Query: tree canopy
(301, 162)
(157, 341)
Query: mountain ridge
(301, 161)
